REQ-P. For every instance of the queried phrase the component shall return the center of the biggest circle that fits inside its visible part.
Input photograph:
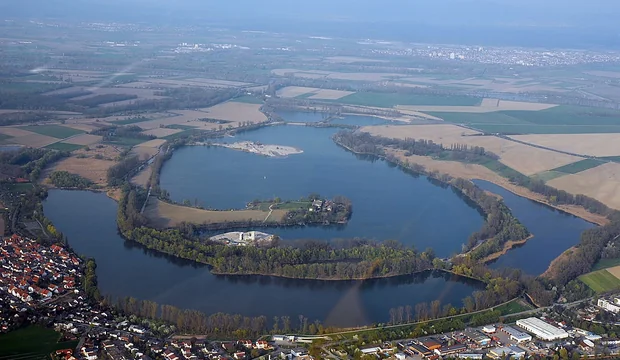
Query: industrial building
(608, 306)
(516, 335)
(541, 329)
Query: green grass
(502, 170)
(248, 99)
(558, 120)
(513, 307)
(612, 158)
(289, 205)
(392, 99)
(57, 131)
(181, 127)
(64, 146)
(125, 141)
(547, 175)
(606, 263)
(4, 137)
(600, 281)
(579, 166)
(20, 187)
(32, 342)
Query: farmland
(525, 159)
(57, 131)
(600, 145)
(312, 93)
(92, 169)
(601, 182)
(602, 280)
(556, 120)
(387, 100)
(163, 214)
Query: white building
(607, 306)
(541, 329)
(516, 335)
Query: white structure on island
(239, 238)
(541, 329)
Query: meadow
(57, 131)
(600, 281)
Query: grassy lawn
(64, 146)
(57, 131)
(513, 307)
(600, 281)
(557, 120)
(606, 263)
(392, 99)
(579, 166)
(248, 99)
(125, 141)
(32, 342)
(20, 187)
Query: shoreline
(509, 245)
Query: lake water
(554, 232)
(88, 219)
(387, 203)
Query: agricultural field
(602, 280)
(388, 100)
(573, 168)
(486, 105)
(162, 132)
(606, 263)
(61, 146)
(33, 342)
(312, 93)
(599, 145)
(30, 139)
(83, 139)
(556, 120)
(525, 159)
(56, 131)
(601, 182)
(162, 214)
(235, 112)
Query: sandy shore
(262, 149)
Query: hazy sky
(443, 12)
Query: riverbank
(479, 172)
(507, 247)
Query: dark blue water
(387, 203)
(88, 219)
(554, 232)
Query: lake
(554, 231)
(88, 219)
(387, 202)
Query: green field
(57, 131)
(32, 342)
(4, 137)
(389, 100)
(125, 141)
(513, 307)
(606, 263)
(572, 168)
(64, 146)
(557, 120)
(20, 187)
(289, 205)
(612, 158)
(600, 281)
(579, 166)
(248, 100)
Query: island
(261, 149)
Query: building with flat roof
(516, 335)
(541, 329)
(608, 306)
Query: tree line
(65, 179)
(118, 172)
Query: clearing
(92, 169)
(601, 183)
(163, 214)
(602, 280)
(598, 145)
(525, 159)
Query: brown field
(155, 143)
(182, 117)
(15, 132)
(162, 214)
(601, 183)
(142, 178)
(140, 93)
(93, 169)
(84, 139)
(161, 132)
(615, 271)
(144, 152)
(527, 160)
(236, 112)
(328, 94)
(585, 144)
(294, 91)
(487, 105)
(108, 152)
(33, 140)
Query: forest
(31, 161)
(118, 172)
(65, 179)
